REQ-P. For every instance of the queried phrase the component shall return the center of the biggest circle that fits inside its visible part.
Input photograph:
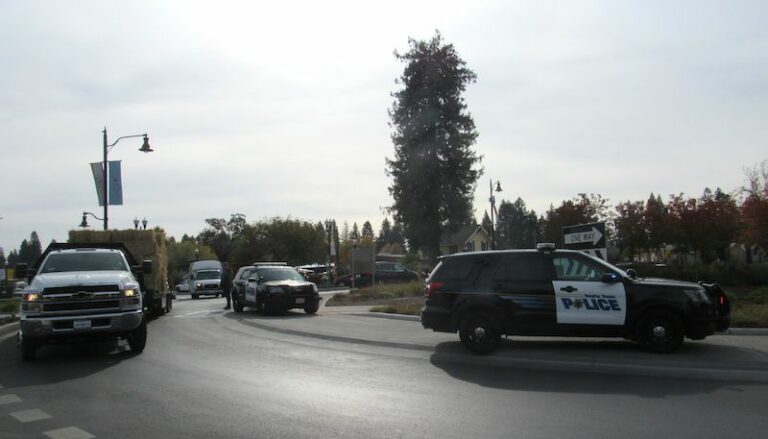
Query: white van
(205, 278)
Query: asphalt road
(207, 373)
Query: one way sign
(589, 238)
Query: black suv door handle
(569, 289)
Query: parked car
(552, 292)
(386, 272)
(183, 285)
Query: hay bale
(142, 244)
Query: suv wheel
(660, 331)
(137, 339)
(28, 348)
(312, 306)
(479, 333)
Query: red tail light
(432, 288)
(722, 299)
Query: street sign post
(589, 238)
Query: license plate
(82, 324)
(300, 300)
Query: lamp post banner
(115, 182)
(98, 178)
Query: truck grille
(210, 287)
(80, 289)
(85, 305)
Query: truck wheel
(28, 349)
(312, 307)
(660, 331)
(479, 333)
(159, 309)
(137, 338)
(237, 306)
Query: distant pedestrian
(226, 284)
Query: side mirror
(146, 266)
(611, 278)
(631, 273)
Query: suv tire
(312, 307)
(479, 332)
(660, 331)
(237, 306)
(137, 339)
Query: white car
(183, 286)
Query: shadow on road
(60, 362)
(586, 375)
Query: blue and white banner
(115, 182)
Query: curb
(386, 315)
(744, 331)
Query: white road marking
(68, 433)
(9, 399)
(30, 415)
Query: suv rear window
(457, 269)
(522, 267)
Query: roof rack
(266, 264)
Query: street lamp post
(107, 146)
(492, 199)
(329, 230)
(84, 224)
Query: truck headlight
(198, 285)
(130, 292)
(31, 297)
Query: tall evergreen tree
(367, 230)
(354, 235)
(434, 170)
(2, 258)
(516, 225)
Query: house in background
(466, 239)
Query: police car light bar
(545, 246)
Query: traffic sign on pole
(589, 238)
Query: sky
(280, 108)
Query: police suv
(274, 287)
(549, 292)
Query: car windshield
(209, 274)
(269, 274)
(84, 261)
